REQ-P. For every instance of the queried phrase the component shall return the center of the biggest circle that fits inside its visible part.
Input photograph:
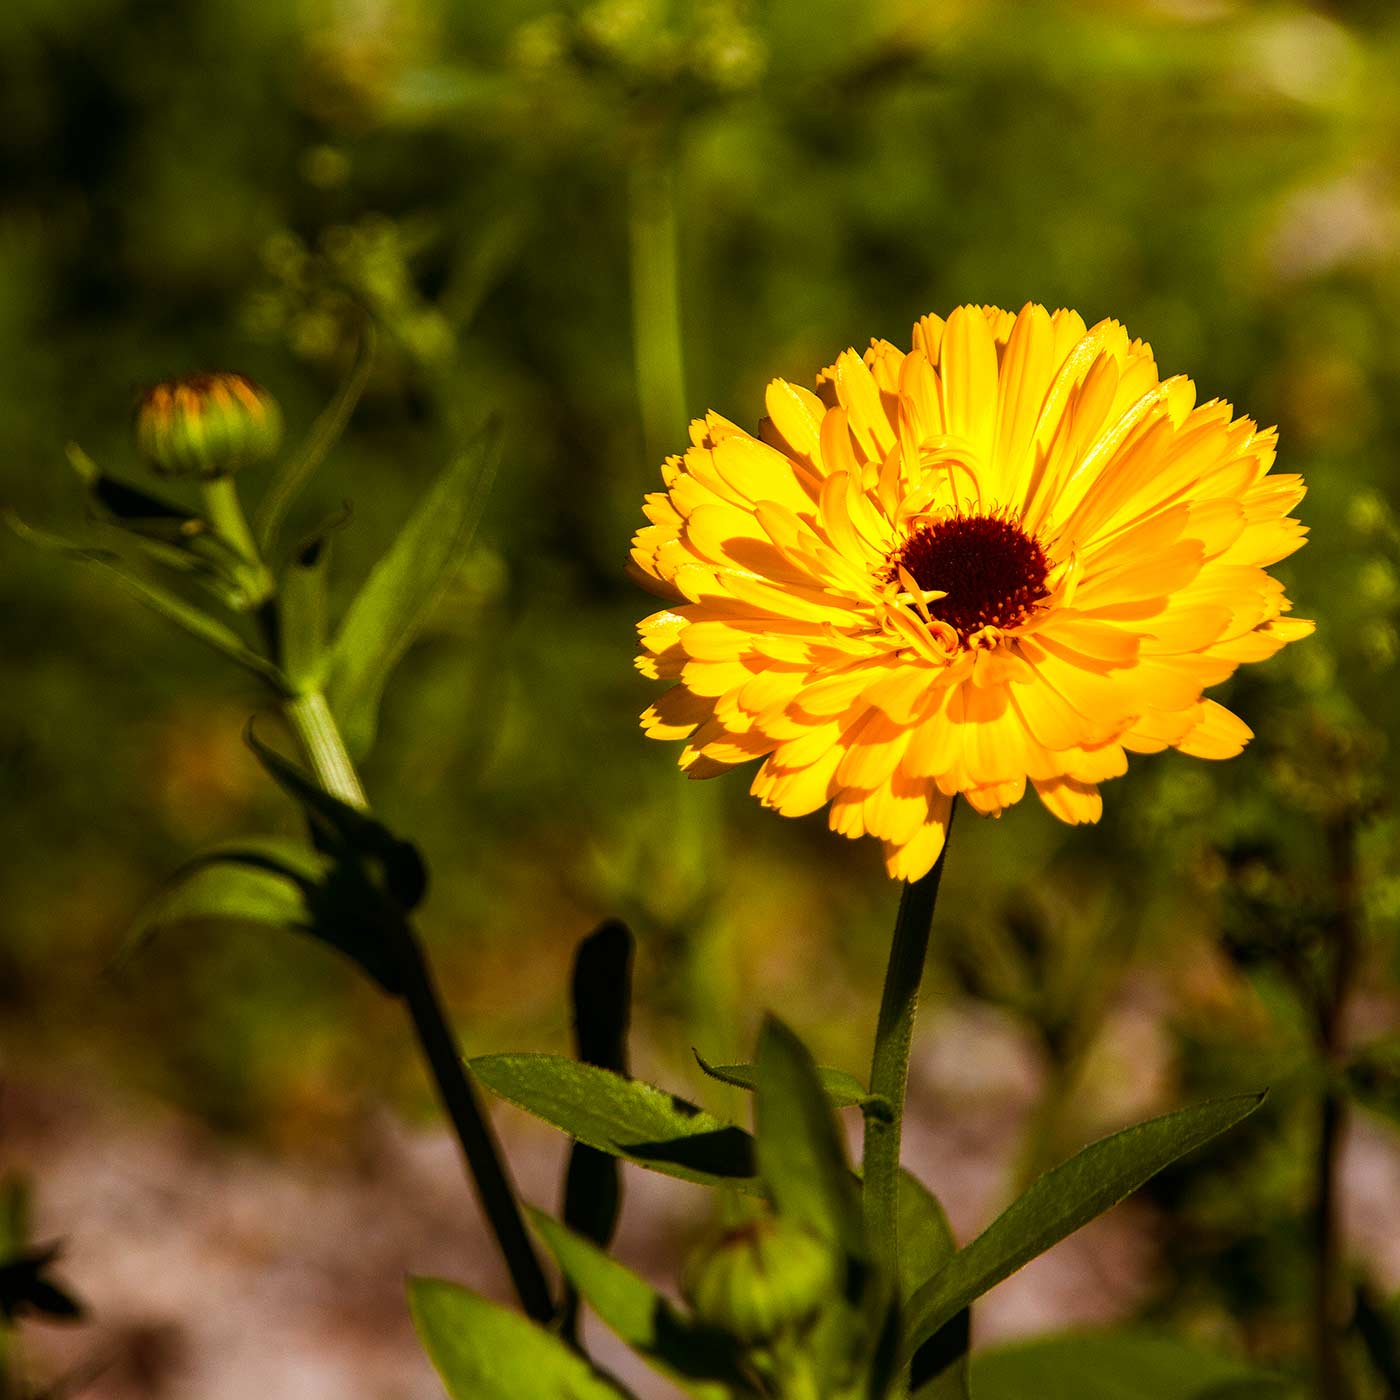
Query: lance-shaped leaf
(392, 867)
(161, 600)
(676, 1345)
(275, 883)
(842, 1089)
(299, 468)
(1062, 1200)
(938, 1370)
(623, 1117)
(801, 1157)
(1116, 1366)
(483, 1351)
(402, 587)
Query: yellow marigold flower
(1010, 554)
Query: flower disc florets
(992, 574)
(1010, 555)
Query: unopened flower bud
(764, 1278)
(207, 425)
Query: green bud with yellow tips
(207, 425)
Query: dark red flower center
(991, 570)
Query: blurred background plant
(596, 220)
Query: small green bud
(761, 1279)
(207, 425)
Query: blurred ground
(595, 220)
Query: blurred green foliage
(518, 194)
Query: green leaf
(623, 1117)
(298, 469)
(1114, 1366)
(402, 587)
(392, 867)
(301, 614)
(1064, 1199)
(843, 1090)
(801, 1156)
(938, 1370)
(631, 1307)
(484, 1352)
(169, 605)
(268, 881)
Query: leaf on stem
(391, 866)
(1112, 1365)
(298, 469)
(274, 883)
(842, 1089)
(169, 605)
(483, 1351)
(623, 1117)
(801, 1157)
(1062, 1200)
(403, 586)
(677, 1346)
(938, 1370)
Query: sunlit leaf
(646, 1321)
(623, 1117)
(938, 1370)
(483, 1351)
(842, 1089)
(1064, 1199)
(1115, 1366)
(801, 1156)
(402, 587)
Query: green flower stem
(1331, 1301)
(889, 1069)
(226, 516)
(314, 725)
(311, 718)
(656, 304)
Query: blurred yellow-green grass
(593, 221)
